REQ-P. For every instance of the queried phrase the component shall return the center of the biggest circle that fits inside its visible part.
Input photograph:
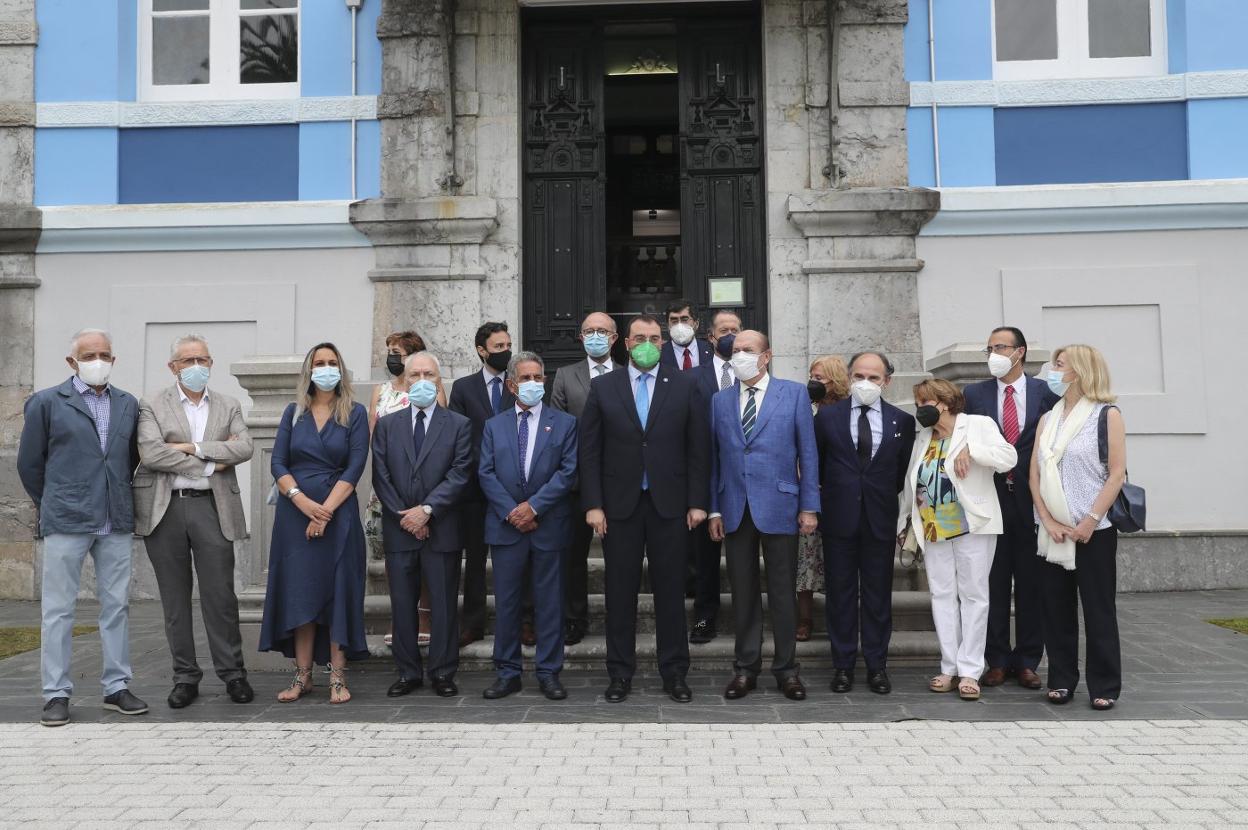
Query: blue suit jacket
(552, 474)
(776, 470)
(981, 399)
(75, 486)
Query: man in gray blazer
(188, 509)
(422, 463)
(76, 459)
(598, 335)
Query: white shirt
(875, 417)
(719, 363)
(1020, 400)
(197, 417)
(760, 391)
(535, 415)
(428, 410)
(680, 350)
(593, 367)
(489, 374)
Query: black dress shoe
(740, 686)
(877, 681)
(618, 689)
(183, 695)
(703, 631)
(842, 680)
(573, 632)
(445, 687)
(502, 688)
(678, 690)
(793, 688)
(240, 690)
(404, 686)
(553, 689)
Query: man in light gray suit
(188, 509)
(598, 335)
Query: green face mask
(645, 356)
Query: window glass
(1118, 28)
(179, 5)
(269, 4)
(268, 49)
(1027, 30)
(180, 50)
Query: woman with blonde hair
(1072, 490)
(829, 383)
(314, 606)
(950, 504)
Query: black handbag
(1129, 511)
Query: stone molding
(413, 104)
(861, 266)
(17, 114)
(893, 211)
(204, 113)
(18, 32)
(20, 227)
(1057, 92)
(451, 220)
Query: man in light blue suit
(764, 491)
(527, 470)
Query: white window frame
(1073, 44)
(223, 55)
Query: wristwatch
(1094, 516)
(428, 510)
(292, 492)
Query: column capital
(866, 211)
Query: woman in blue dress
(314, 607)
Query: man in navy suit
(527, 471)
(864, 449)
(644, 484)
(684, 350)
(1016, 403)
(764, 491)
(422, 463)
(479, 397)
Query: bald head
(598, 320)
(755, 341)
(751, 342)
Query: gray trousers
(190, 532)
(780, 557)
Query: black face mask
(817, 390)
(723, 346)
(394, 364)
(927, 416)
(498, 360)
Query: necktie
(496, 394)
(643, 410)
(1009, 421)
(748, 417)
(687, 363)
(725, 377)
(418, 433)
(523, 439)
(864, 437)
(599, 370)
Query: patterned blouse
(942, 517)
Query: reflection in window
(268, 49)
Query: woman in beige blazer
(950, 505)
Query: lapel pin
(665, 380)
(548, 429)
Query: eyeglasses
(589, 332)
(1000, 348)
(196, 361)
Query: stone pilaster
(20, 225)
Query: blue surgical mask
(1056, 385)
(423, 393)
(530, 392)
(596, 344)
(195, 378)
(326, 378)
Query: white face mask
(999, 365)
(745, 365)
(681, 333)
(94, 372)
(865, 392)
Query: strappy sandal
(968, 689)
(300, 685)
(804, 627)
(942, 683)
(1102, 704)
(338, 685)
(1060, 696)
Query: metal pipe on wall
(354, 6)
(832, 170)
(931, 61)
(451, 183)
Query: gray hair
(437, 364)
(524, 357)
(179, 342)
(888, 366)
(73, 341)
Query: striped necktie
(751, 413)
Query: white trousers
(957, 571)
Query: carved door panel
(563, 169)
(723, 208)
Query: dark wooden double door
(722, 208)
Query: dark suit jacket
(438, 478)
(74, 484)
(552, 472)
(673, 450)
(847, 487)
(667, 355)
(981, 399)
(471, 398)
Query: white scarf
(1053, 444)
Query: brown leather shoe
(793, 688)
(527, 635)
(469, 636)
(740, 686)
(1028, 679)
(993, 677)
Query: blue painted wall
(967, 146)
(963, 41)
(1176, 36)
(325, 160)
(919, 147)
(79, 56)
(75, 166)
(1217, 129)
(326, 34)
(1217, 34)
(209, 164)
(1101, 143)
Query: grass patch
(26, 638)
(1239, 624)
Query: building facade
(892, 174)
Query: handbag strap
(1102, 437)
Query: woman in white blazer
(950, 504)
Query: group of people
(689, 454)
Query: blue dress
(319, 580)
